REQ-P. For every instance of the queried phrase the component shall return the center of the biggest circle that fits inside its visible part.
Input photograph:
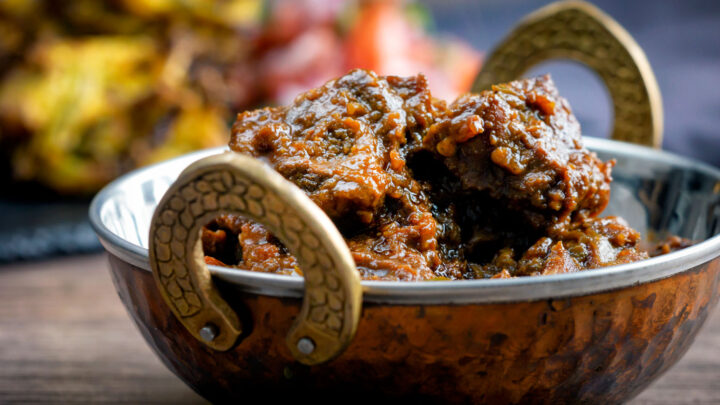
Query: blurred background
(92, 89)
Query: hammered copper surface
(603, 347)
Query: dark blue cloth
(34, 230)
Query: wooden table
(65, 338)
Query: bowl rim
(440, 292)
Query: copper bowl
(594, 336)
(601, 335)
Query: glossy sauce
(497, 184)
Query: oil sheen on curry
(495, 185)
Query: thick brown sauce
(498, 184)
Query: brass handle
(579, 31)
(238, 184)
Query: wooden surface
(65, 338)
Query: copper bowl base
(598, 348)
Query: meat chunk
(670, 244)
(244, 244)
(346, 145)
(590, 244)
(520, 143)
(342, 143)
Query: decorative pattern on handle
(237, 184)
(579, 31)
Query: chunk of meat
(343, 143)
(521, 143)
(233, 240)
(668, 245)
(346, 145)
(593, 243)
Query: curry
(495, 185)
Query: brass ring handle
(579, 31)
(237, 184)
